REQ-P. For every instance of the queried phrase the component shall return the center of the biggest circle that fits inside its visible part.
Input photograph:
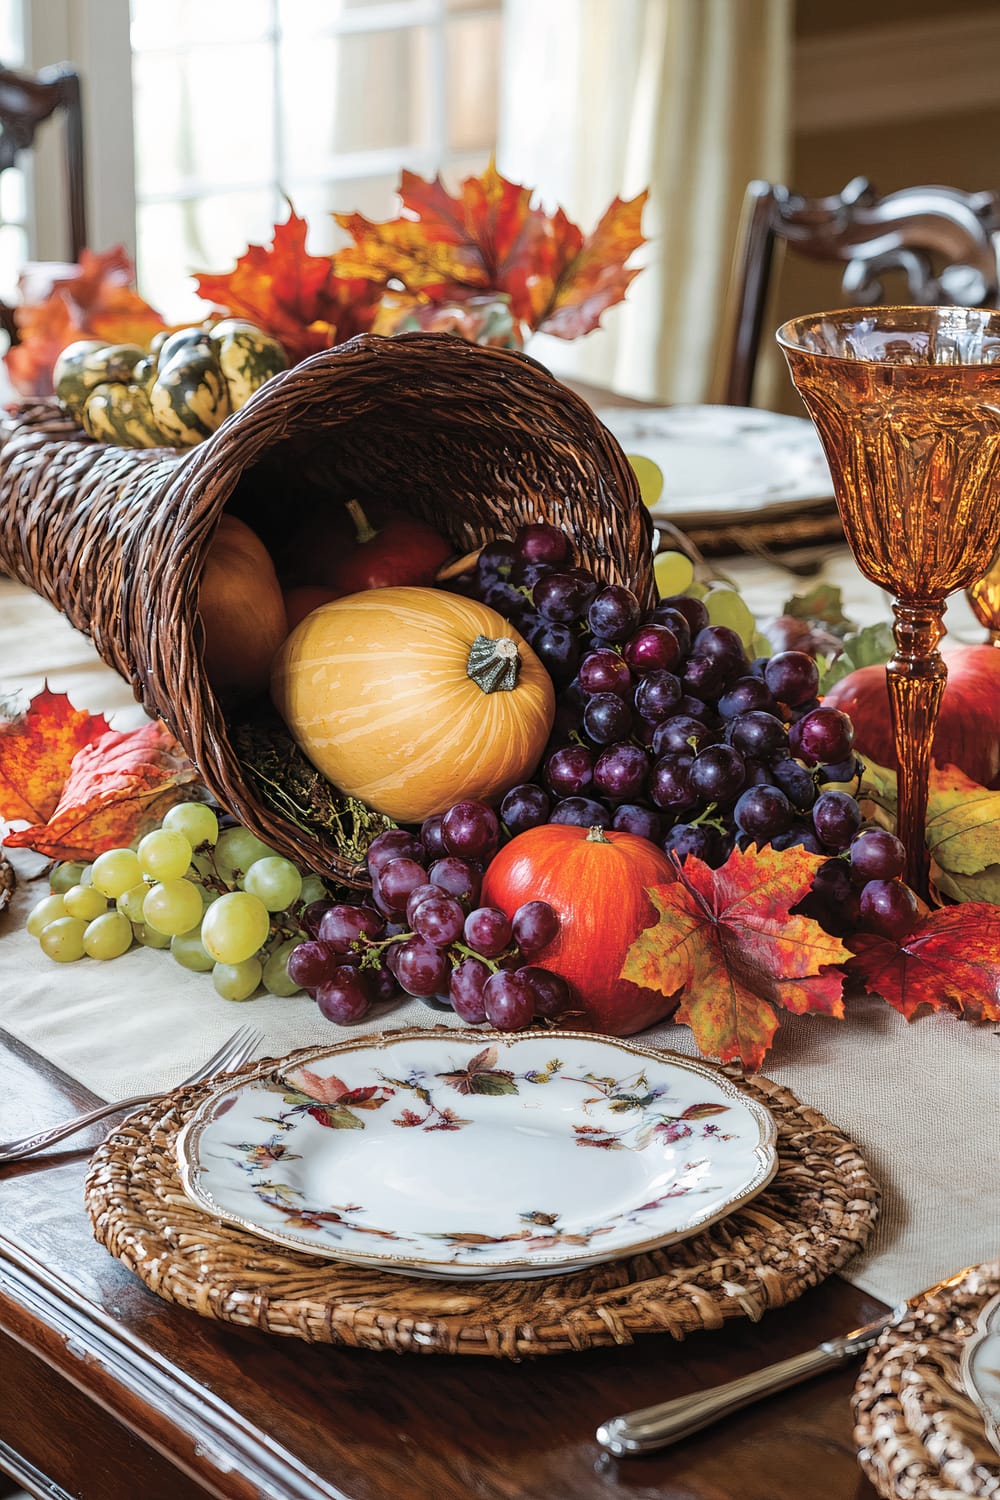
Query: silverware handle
(29, 1144)
(658, 1426)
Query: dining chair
(943, 243)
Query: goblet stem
(916, 676)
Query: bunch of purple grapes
(423, 931)
(665, 728)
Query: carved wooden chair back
(943, 241)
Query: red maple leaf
(298, 298)
(949, 962)
(36, 751)
(727, 941)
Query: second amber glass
(906, 401)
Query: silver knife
(653, 1427)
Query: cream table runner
(921, 1100)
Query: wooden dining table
(108, 1392)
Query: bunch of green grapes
(222, 901)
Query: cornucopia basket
(476, 441)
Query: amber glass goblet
(984, 599)
(906, 401)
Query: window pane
(177, 239)
(375, 197)
(186, 23)
(473, 77)
(205, 115)
(12, 32)
(13, 254)
(13, 199)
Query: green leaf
(491, 1083)
(983, 886)
(869, 647)
(823, 602)
(963, 823)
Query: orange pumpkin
(410, 698)
(597, 883)
(242, 611)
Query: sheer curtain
(686, 97)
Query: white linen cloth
(922, 1100)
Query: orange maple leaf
(298, 298)
(117, 787)
(727, 941)
(949, 962)
(97, 301)
(36, 752)
(490, 237)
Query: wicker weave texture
(816, 1213)
(920, 1435)
(475, 441)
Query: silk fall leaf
(117, 786)
(962, 829)
(300, 299)
(36, 752)
(949, 962)
(727, 942)
(490, 238)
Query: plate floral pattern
(981, 1368)
(450, 1153)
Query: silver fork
(232, 1054)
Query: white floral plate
(981, 1368)
(471, 1154)
(721, 462)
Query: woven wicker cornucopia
(474, 440)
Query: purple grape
(723, 646)
(621, 772)
(693, 610)
(888, 908)
(876, 854)
(746, 695)
(758, 773)
(757, 733)
(799, 836)
(420, 893)
(759, 666)
(488, 931)
(614, 613)
(670, 783)
(653, 648)
(381, 983)
(717, 773)
(420, 968)
(844, 770)
(343, 997)
(800, 710)
(680, 735)
(394, 843)
(605, 672)
(823, 734)
(535, 925)
(581, 812)
(643, 822)
(796, 781)
(557, 648)
(432, 837)
(675, 621)
(540, 542)
(457, 877)
(703, 677)
(470, 829)
(495, 560)
(569, 771)
(524, 575)
(509, 1001)
(836, 819)
(689, 838)
(763, 812)
(657, 696)
(792, 676)
(697, 708)
(343, 925)
(395, 882)
(832, 902)
(550, 991)
(438, 919)
(562, 596)
(465, 990)
(312, 915)
(607, 718)
(525, 806)
(311, 964)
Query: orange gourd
(242, 611)
(411, 698)
(596, 882)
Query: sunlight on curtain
(686, 97)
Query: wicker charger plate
(919, 1433)
(815, 1214)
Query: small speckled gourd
(411, 698)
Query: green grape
(190, 952)
(275, 881)
(148, 936)
(237, 981)
(83, 901)
(62, 940)
(164, 855)
(726, 607)
(131, 902)
(65, 876)
(116, 871)
(674, 573)
(236, 851)
(649, 476)
(696, 590)
(108, 936)
(86, 875)
(172, 907)
(49, 909)
(195, 820)
(234, 927)
(276, 980)
(313, 889)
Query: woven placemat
(919, 1433)
(816, 1213)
